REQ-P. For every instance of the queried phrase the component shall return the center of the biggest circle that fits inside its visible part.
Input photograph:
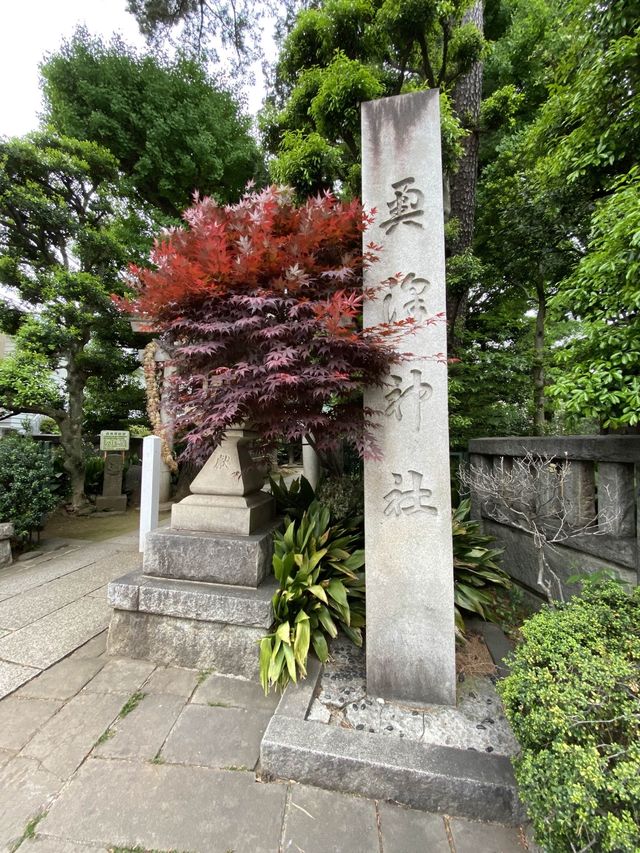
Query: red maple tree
(261, 304)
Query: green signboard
(114, 439)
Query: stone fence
(559, 506)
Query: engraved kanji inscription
(406, 207)
(414, 302)
(409, 399)
(409, 501)
(222, 461)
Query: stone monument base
(116, 503)
(184, 623)
(209, 557)
(238, 515)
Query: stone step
(209, 557)
(205, 602)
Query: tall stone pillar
(410, 616)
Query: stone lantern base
(203, 596)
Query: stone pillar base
(239, 515)
(183, 623)
(117, 503)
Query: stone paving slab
(172, 680)
(473, 837)
(63, 743)
(166, 807)
(94, 648)
(26, 789)
(141, 734)
(235, 692)
(20, 719)
(120, 675)
(404, 830)
(63, 680)
(325, 822)
(17, 579)
(54, 845)
(33, 604)
(216, 737)
(5, 756)
(46, 641)
(12, 675)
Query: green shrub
(93, 475)
(476, 573)
(321, 588)
(292, 500)
(344, 496)
(573, 700)
(26, 480)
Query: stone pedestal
(203, 597)
(6, 534)
(112, 499)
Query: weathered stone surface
(6, 530)
(12, 675)
(235, 515)
(120, 676)
(410, 624)
(186, 642)
(230, 470)
(20, 719)
(211, 557)
(115, 503)
(6, 755)
(217, 737)
(324, 822)
(46, 641)
(433, 778)
(39, 844)
(126, 804)
(6, 557)
(404, 830)
(63, 680)
(63, 743)
(487, 837)
(232, 605)
(172, 681)
(95, 648)
(112, 479)
(26, 789)
(143, 731)
(236, 693)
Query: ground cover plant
(260, 303)
(573, 700)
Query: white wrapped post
(150, 492)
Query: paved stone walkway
(100, 753)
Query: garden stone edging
(442, 779)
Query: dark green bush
(573, 700)
(26, 484)
(292, 500)
(344, 496)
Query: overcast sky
(31, 28)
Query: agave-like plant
(319, 571)
(476, 572)
(292, 500)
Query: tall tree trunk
(71, 434)
(538, 361)
(467, 95)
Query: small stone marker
(6, 534)
(410, 616)
(150, 489)
(112, 498)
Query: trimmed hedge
(573, 700)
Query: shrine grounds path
(112, 754)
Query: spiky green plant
(319, 570)
(476, 572)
